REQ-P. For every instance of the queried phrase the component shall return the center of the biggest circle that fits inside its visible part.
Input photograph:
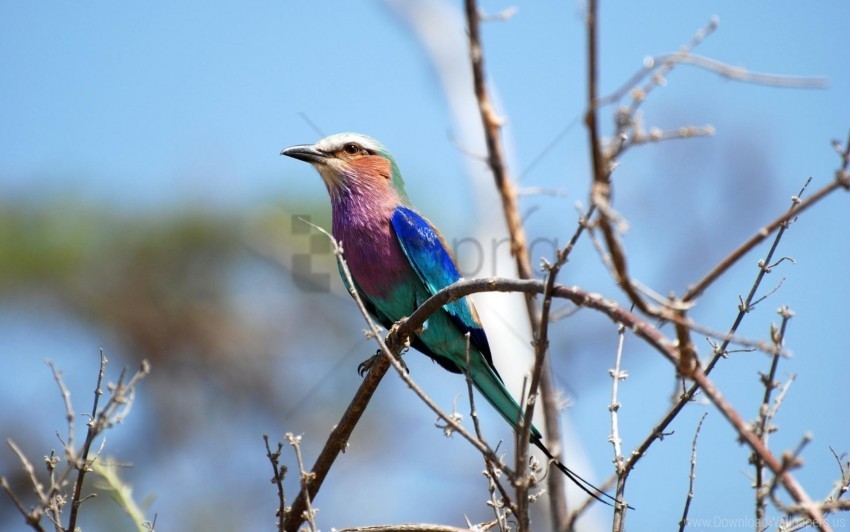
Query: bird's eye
(351, 148)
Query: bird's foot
(364, 367)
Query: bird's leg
(364, 367)
(393, 344)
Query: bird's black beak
(305, 152)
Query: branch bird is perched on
(398, 259)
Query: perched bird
(398, 259)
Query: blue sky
(140, 106)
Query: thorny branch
(308, 514)
(53, 499)
(618, 375)
(603, 161)
(600, 199)
(541, 372)
(602, 165)
(82, 462)
(628, 117)
(277, 479)
(490, 472)
(390, 350)
(641, 329)
(658, 66)
(719, 351)
(600, 195)
(762, 427)
(683, 523)
(417, 527)
(779, 223)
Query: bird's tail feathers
(585, 486)
(492, 388)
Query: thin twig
(279, 473)
(420, 527)
(779, 223)
(843, 485)
(491, 124)
(640, 328)
(601, 190)
(616, 376)
(541, 347)
(52, 500)
(308, 514)
(492, 473)
(389, 349)
(579, 510)
(660, 135)
(652, 64)
(32, 517)
(719, 352)
(629, 118)
(82, 464)
(778, 468)
(790, 460)
(765, 414)
(69, 443)
(660, 67)
(747, 76)
(683, 523)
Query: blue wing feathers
(436, 268)
(425, 249)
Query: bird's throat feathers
(371, 181)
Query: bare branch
(389, 350)
(618, 375)
(492, 124)
(779, 223)
(683, 523)
(53, 498)
(812, 510)
(411, 527)
(117, 407)
(600, 195)
(643, 330)
(491, 472)
(653, 64)
(82, 462)
(766, 413)
(69, 409)
(661, 69)
(32, 517)
(279, 473)
(719, 351)
(308, 514)
(843, 485)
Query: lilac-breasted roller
(398, 259)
